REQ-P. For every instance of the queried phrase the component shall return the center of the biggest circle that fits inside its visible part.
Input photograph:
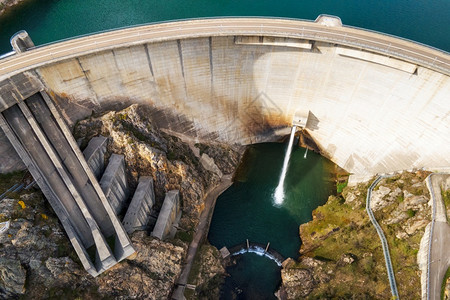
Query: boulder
(378, 202)
(12, 278)
(297, 282)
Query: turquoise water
(247, 211)
(427, 22)
(252, 277)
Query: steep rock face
(297, 282)
(6, 4)
(35, 249)
(341, 249)
(149, 152)
(150, 275)
(12, 277)
(207, 274)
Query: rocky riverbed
(38, 261)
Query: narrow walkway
(202, 229)
(384, 243)
(439, 243)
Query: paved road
(384, 44)
(202, 229)
(440, 254)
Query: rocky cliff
(6, 4)
(341, 254)
(36, 258)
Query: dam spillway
(242, 80)
(279, 191)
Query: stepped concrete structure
(169, 215)
(44, 143)
(139, 211)
(95, 155)
(375, 103)
(114, 183)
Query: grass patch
(340, 186)
(338, 229)
(411, 213)
(446, 277)
(185, 236)
(446, 198)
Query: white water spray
(279, 191)
(259, 251)
(306, 152)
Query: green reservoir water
(247, 211)
(47, 21)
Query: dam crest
(375, 103)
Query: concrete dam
(374, 103)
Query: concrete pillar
(95, 154)
(44, 143)
(170, 213)
(138, 213)
(114, 183)
(21, 41)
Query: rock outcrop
(208, 273)
(150, 152)
(341, 252)
(37, 260)
(6, 4)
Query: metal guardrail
(331, 35)
(16, 188)
(384, 243)
(430, 240)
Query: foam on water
(259, 251)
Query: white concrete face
(369, 115)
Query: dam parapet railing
(227, 17)
(362, 39)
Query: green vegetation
(340, 186)
(411, 213)
(339, 228)
(446, 198)
(444, 281)
(185, 236)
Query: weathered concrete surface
(45, 145)
(95, 155)
(114, 183)
(21, 41)
(377, 104)
(138, 213)
(170, 213)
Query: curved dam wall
(371, 109)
